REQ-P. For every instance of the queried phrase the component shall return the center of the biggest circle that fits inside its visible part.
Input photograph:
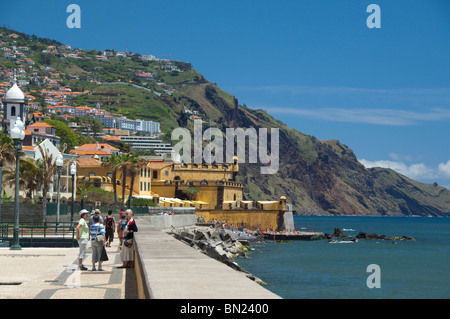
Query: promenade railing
(48, 234)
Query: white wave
(343, 242)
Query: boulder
(361, 235)
(215, 243)
(199, 235)
(338, 233)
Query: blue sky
(315, 65)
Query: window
(155, 174)
(13, 111)
(97, 182)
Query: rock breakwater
(338, 233)
(218, 244)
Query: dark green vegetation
(315, 176)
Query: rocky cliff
(322, 177)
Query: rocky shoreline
(218, 244)
(339, 234)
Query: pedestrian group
(99, 232)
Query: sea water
(320, 269)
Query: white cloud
(418, 171)
(444, 168)
(390, 117)
(408, 158)
(410, 106)
(440, 94)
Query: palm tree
(28, 170)
(135, 162)
(47, 166)
(123, 166)
(113, 162)
(7, 154)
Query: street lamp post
(73, 172)
(59, 164)
(17, 135)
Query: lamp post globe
(59, 160)
(73, 169)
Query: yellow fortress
(211, 188)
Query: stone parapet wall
(266, 219)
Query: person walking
(109, 227)
(98, 213)
(127, 251)
(120, 227)
(97, 230)
(82, 231)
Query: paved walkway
(173, 270)
(169, 269)
(50, 273)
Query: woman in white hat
(82, 237)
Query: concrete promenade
(165, 268)
(48, 273)
(170, 269)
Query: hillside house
(99, 150)
(40, 131)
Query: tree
(67, 136)
(123, 147)
(95, 193)
(122, 165)
(28, 170)
(45, 58)
(191, 192)
(97, 126)
(7, 151)
(113, 162)
(47, 166)
(130, 165)
(7, 154)
(183, 66)
(135, 162)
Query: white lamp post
(73, 172)
(17, 135)
(59, 164)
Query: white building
(147, 143)
(66, 179)
(141, 126)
